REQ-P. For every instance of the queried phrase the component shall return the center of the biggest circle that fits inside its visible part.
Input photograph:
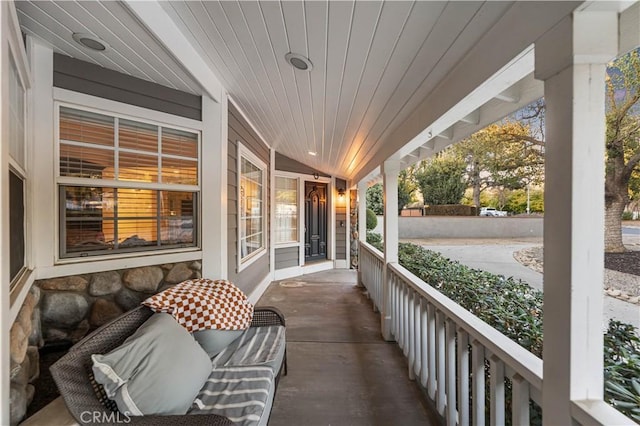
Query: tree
(374, 199)
(622, 143)
(406, 188)
(505, 155)
(441, 180)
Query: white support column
(571, 59)
(362, 222)
(362, 211)
(213, 198)
(44, 189)
(5, 321)
(390, 170)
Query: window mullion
(116, 145)
(158, 226)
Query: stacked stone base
(67, 308)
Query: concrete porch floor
(341, 371)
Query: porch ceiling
(375, 64)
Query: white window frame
(74, 100)
(18, 55)
(247, 154)
(296, 242)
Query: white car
(490, 211)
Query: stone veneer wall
(67, 308)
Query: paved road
(630, 230)
(498, 259)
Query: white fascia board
(630, 28)
(158, 21)
(468, 108)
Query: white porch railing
(447, 349)
(371, 267)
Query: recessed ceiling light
(312, 153)
(90, 41)
(298, 61)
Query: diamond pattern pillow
(204, 304)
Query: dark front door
(315, 236)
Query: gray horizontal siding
(287, 257)
(240, 130)
(91, 79)
(287, 164)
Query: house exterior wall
(287, 257)
(240, 131)
(286, 164)
(91, 79)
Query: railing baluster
(440, 372)
(431, 317)
(496, 384)
(463, 377)
(450, 372)
(405, 321)
(477, 351)
(417, 336)
(424, 343)
(411, 330)
(520, 400)
(394, 316)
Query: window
(125, 185)
(251, 206)
(286, 220)
(17, 174)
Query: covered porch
(202, 143)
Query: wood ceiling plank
(50, 30)
(445, 31)
(366, 19)
(295, 26)
(274, 21)
(271, 78)
(316, 16)
(420, 23)
(339, 33)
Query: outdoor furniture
(86, 399)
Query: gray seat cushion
(257, 346)
(242, 394)
(158, 370)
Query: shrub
(515, 309)
(372, 220)
(627, 215)
(375, 240)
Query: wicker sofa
(85, 398)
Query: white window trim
(25, 278)
(70, 99)
(244, 152)
(296, 242)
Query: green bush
(372, 220)
(375, 240)
(627, 215)
(515, 309)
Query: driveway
(497, 257)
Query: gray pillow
(213, 341)
(158, 370)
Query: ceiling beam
(630, 28)
(160, 24)
(472, 118)
(512, 94)
(447, 133)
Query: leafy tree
(517, 201)
(503, 156)
(622, 143)
(441, 180)
(406, 188)
(374, 199)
